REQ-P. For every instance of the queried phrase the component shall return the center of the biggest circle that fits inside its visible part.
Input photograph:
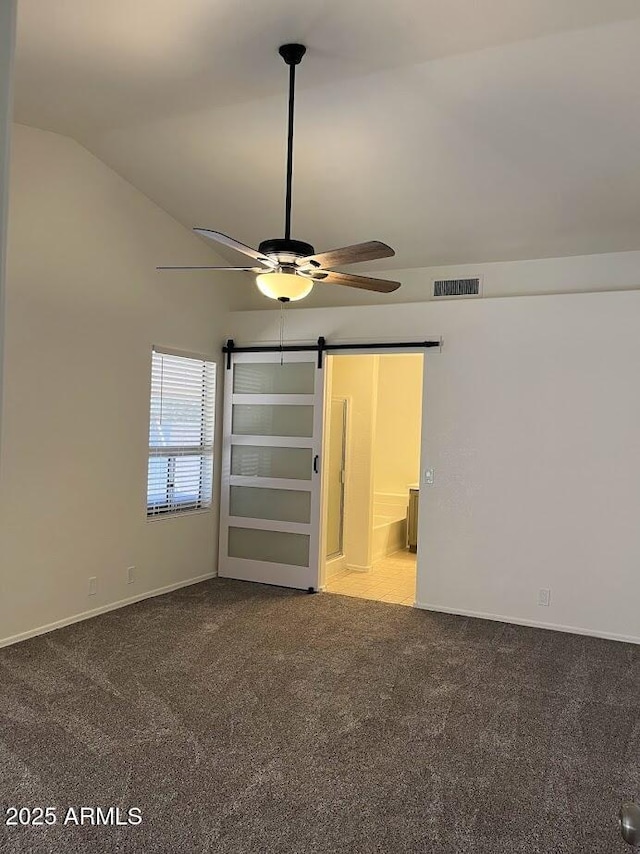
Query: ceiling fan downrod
(292, 55)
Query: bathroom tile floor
(392, 579)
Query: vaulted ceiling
(456, 131)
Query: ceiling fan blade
(383, 286)
(370, 251)
(219, 237)
(242, 269)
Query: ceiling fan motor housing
(285, 251)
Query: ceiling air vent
(457, 288)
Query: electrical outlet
(428, 477)
(93, 586)
(131, 574)
(544, 596)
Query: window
(181, 434)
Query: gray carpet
(242, 718)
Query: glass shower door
(336, 457)
(270, 501)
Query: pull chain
(281, 332)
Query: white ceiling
(456, 131)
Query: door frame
(328, 382)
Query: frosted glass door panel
(256, 461)
(270, 546)
(249, 419)
(274, 378)
(279, 505)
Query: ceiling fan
(287, 269)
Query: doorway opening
(371, 474)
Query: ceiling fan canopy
(286, 268)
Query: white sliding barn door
(270, 501)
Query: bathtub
(389, 527)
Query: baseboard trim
(103, 609)
(358, 568)
(535, 624)
(392, 550)
(334, 565)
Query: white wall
(84, 306)
(531, 422)
(7, 43)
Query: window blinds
(181, 432)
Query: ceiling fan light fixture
(286, 287)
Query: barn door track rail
(323, 347)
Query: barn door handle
(316, 460)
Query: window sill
(179, 514)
